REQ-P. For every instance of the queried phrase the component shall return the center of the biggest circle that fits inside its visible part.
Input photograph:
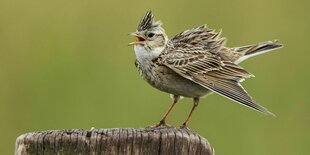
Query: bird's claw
(184, 126)
(161, 124)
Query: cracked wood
(129, 141)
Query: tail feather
(260, 48)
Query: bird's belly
(170, 82)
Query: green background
(66, 64)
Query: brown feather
(200, 48)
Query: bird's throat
(144, 55)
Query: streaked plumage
(194, 63)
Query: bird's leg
(162, 122)
(195, 104)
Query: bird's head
(149, 34)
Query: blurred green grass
(66, 64)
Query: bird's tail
(253, 50)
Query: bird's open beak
(139, 39)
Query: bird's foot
(184, 126)
(161, 124)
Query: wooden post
(129, 141)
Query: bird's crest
(147, 22)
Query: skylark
(193, 64)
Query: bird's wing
(208, 70)
(201, 37)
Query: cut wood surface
(128, 141)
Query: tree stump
(129, 141)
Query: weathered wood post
(129, 141)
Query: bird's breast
(165, 79)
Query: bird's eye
(150, 35)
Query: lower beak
(139, 39)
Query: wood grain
(122, 141)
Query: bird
(194, 64)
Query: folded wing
(205, 67)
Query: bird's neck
(145, 55)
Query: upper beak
(139, 39)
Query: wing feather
(201, 37)
(233, 91)
(193, 54)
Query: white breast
(143, 55)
